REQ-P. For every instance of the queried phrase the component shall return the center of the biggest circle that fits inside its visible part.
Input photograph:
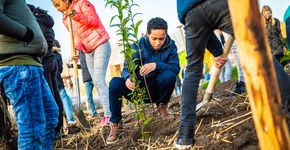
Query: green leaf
(146, 122)
(115, 25)
(133, 5)
(112, 19)
(137, 14)
(286, 56)
(138, 23)
(125, 21)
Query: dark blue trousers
(200, 22)
(287, 22)
(160, 89)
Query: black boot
(240, 88)
(185, 138)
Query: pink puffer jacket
(88, 31)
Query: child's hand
(70, 12)
(220, 61)
(147, 68)
(75, 58)
(130, 85)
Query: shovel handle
(73, 50)
(216, 71)
(75, 65)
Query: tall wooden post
(261, 80)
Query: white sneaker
(71, 122)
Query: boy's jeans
(35, 109)
(160, 89)
(97, 62)
(67, 104)
(90, 99)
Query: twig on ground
(235, 125)
(198, 126)
(218, 103)
(243, 95)
(224, 122)
(149, 143)
(102, 136)
(174, 136)
(225, 140)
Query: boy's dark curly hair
(156, 23)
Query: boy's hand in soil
(130, 85)
(220, 61)
(147, 68)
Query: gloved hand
(28, 37)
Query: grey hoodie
(15, 16)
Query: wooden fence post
(261, 80)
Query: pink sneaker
(105, 121)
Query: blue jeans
(97, 62)
(235, 51)
(35, 109)
(200, 22)
(177, 90)
(287, 22)
(160, 88)
(90, 99)
(226, 72)
(67, 104)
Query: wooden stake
(261, 80)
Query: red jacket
(88, 31)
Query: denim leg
(90, 99)
(29, 95)
(177, 90)
(97, 62)
(283, 81)
(117, 89)
(287, 22)
(164, 84)
(228, 70)
(67, 105)
(235, 51)
(222, 75)
(200, 22)
(197, 32)
(51, 114)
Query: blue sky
(149, 8)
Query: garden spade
(80, 114)
(215, 73)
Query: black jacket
(59, 65)
(166, 58)
(46, 23)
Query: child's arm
(86, 14)
(12, 28)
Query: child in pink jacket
(91, 37)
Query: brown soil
(224, 123)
